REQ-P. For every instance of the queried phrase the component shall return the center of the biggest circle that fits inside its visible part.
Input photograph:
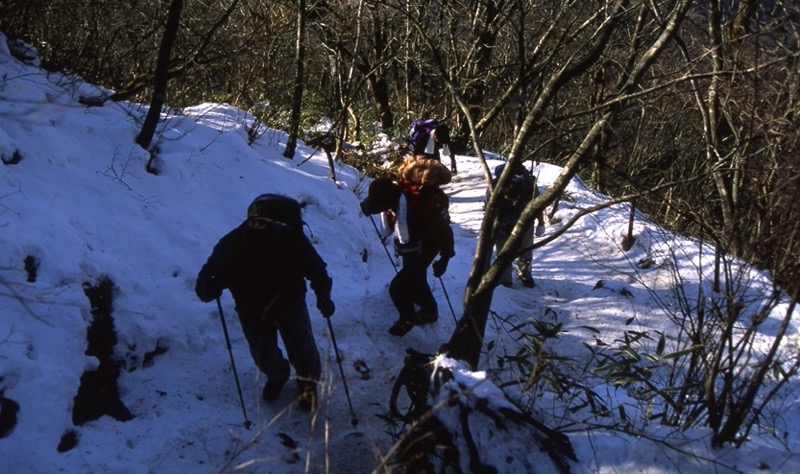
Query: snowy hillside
(77, 209)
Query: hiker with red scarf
(419, 220)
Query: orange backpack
(419, 170)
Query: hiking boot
(527, 282)
(507, 284)
(423, 318)
(273, 387)
(308, 396)
(401, 327)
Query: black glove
(208, 289)
(326, 307)
(439, 267)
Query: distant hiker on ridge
(264, 262)
(427, 135)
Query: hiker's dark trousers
(294, 327)
(410, 287)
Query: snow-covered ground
(75, 198)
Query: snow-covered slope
(75, 199)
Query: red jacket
(422, 221)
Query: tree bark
(161, 75)
(297, 92)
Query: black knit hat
(382, 195)
(277, 207)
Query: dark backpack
(420, 132)
(522, 185)
(430, 200)
(421, 128)
(278, 208)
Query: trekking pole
(447, 297)
(383, 243)
(247, 422)
(353, 418)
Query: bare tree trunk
(161, 75)
(297, 93)
(466, 341)
(380, 94)
(712, 133)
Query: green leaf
(629, 350)
(626, 380)
(662, 341)
(651, 357)
(677, 354)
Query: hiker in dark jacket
(516, 196)
(264, 264)
(419, 220)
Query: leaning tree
(555, 53)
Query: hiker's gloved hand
(208, 289)
(326, 306)
(439, 267)
(539, 229)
